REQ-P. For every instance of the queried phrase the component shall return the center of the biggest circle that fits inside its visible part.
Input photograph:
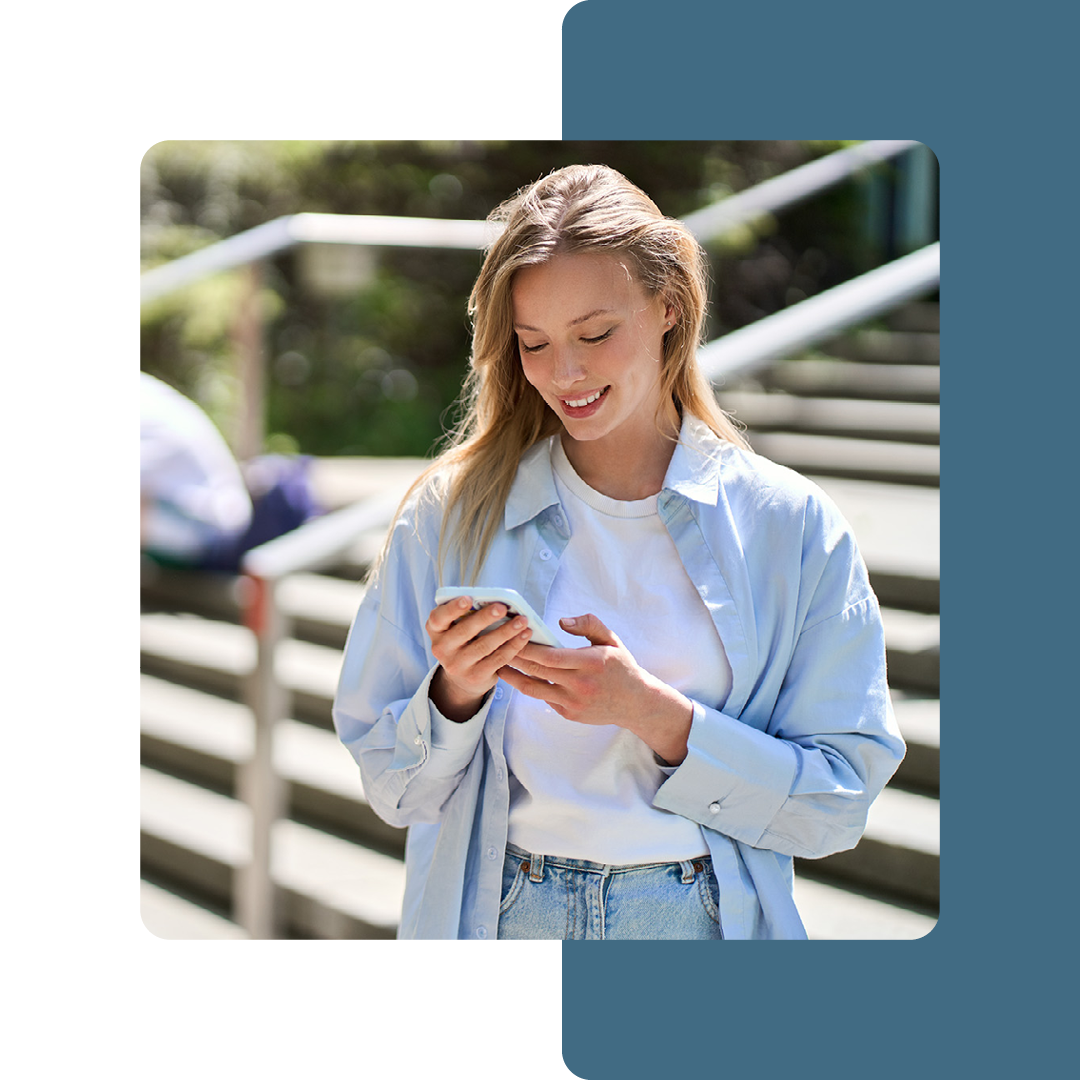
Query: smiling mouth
(581, 403)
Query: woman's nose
(566, 370)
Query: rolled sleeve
(453, 742)
(804, 784)
(734, 779)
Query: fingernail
(569, 622)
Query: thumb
(589, 626)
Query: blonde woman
(717, 703)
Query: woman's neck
(626, 468)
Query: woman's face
(591, 342)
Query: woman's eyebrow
(573, 322)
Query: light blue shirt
(805, 742)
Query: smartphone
(516, 604)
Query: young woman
(719, 703)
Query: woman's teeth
(584, 401)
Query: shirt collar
(694, 472)
(533, 489)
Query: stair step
(859, 459)
(898, 528)
(354, 564)
(832, 914)
(207, 738)
(213, 595)
(330, 888)
(339, 481)
(920, 721)
(918, 315)
(899, 854)
(321, 606)
(167, 915)
(895, 421)
(217, 657)
(912, 649)
(874, 346)
(826, 377)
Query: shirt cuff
(447, 747)
(734, 778)
(451, 735)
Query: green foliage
(377, 370)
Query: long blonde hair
(574, 209)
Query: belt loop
(687, 872)
(536, 867)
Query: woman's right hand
(469, 661)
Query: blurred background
(349, 357)
(366, 349)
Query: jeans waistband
(689, 867)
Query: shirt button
(498, 693)
(481, 931)
(500, 776)
(557, 520)
(714, 808)
(417, 741)
(492, 853)
(545, 554)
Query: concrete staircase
(340, 868)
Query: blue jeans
(544, 896)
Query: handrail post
(247, 336)
(256, 900)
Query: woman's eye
(530, 348)
(597, 340)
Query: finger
(443, 616)
(546, 662)
(471, 625)
(495, 661)
(473, 666)
(483, 645)
(589, 626)
(534, 688)
(544, 659)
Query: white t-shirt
(584, 791)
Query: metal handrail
(284, 233)
(324, 539)
(321, 540)
(795, 186)
(817, 318)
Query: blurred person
(201, 508)
(717, 703)
(194, 498)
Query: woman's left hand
(602, 683)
